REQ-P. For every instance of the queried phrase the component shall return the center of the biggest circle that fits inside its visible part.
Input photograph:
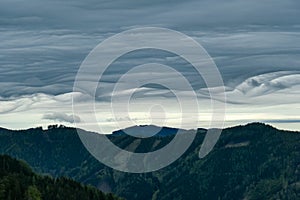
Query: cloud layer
(256, 46)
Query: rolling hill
(18, 182)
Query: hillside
(255, 161)
(18, 181)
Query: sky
(255, 45)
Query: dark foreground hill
(255, 161)
(18, 181)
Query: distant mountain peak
(144, 131)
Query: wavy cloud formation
(256, 99)
(255, 45)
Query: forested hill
(18, 182)
(255, 161)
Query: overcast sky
(255, 45)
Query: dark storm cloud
(44, 42)
(114, 14)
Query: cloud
(282, 121)
(47, 61)
(265, 84)
(62, 117)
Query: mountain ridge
(253, 161)
(118, 132)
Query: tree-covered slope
(255, 161)
(18, 181)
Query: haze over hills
(255, 161)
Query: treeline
(18, 182)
